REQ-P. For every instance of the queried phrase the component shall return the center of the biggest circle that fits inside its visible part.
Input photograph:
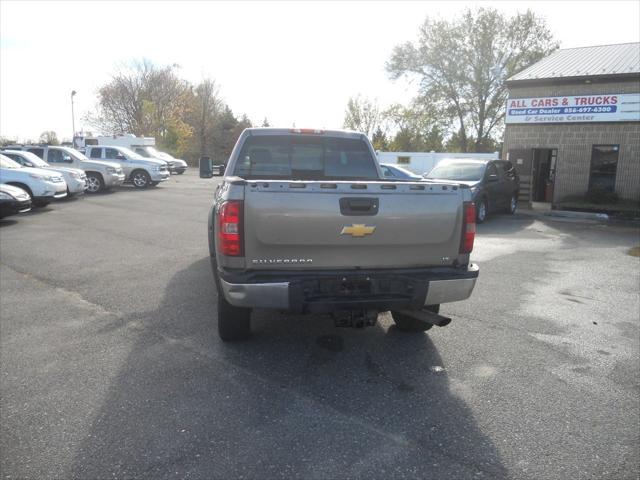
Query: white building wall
(423, 162)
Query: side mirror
(120, 157)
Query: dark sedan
(494, 183)
(13, 200)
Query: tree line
(460, 66)
(186, 120)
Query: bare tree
(141, 99)
(208, 105)
(49, 137)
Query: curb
(578, 215)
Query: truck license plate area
(357, 287)
(379, 292)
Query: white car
(76, 179)
(175, 164)
(43, 185)
(142, 172)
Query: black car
(13, 200)
(398, 173)
(494, 183)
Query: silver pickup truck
(304, 221)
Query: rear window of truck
(299, 157)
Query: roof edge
(563, 80)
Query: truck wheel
(95, 183)
(234, 323)
(513, 204)
(481, 210)
(410, 324)
(140, 179)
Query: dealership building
(572, 124)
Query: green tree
(416, 128)
(362, 115)
(49, 137)
(265, 123)
(462, 65)
(379, 140)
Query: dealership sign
(574, 108)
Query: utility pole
(73, 121)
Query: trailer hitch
(355, 318)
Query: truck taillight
(468, 227)
(309, 131)
(230, 240)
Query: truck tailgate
(312, 225)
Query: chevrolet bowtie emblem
(357, 230)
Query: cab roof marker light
(310, 131)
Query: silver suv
(141, 172)
(100, 175)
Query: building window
(604, 163)
(404, 160)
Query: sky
(290, 62)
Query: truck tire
(410, 324)
(234, 323)
(513, 204)
(140, 179)
(95, 183)
(482, 210)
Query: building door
(521, 159)
(543, 171)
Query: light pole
(73, 121)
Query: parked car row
(493, 183)
(45, 173)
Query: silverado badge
(357, 230)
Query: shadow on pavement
(301, 399)
(6, 221)
(504, 224)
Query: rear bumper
(326, 291)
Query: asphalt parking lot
(111, 366)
